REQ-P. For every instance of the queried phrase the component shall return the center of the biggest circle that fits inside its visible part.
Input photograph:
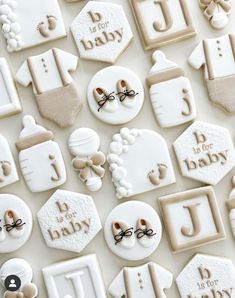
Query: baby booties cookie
(84, 143)
(40, 158)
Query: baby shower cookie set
(137, 159)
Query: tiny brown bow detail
(93, 163)
(28, 291)
(210, 6)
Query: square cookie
(191, 218)
(161, 22)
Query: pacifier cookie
(101, 31)
(84, 144)
(15, 223)
(69, 221)
(139, 161)
(115, 95)
(40, 158)
(205, 152)
(171, 93)
(133, 230)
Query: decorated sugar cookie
(40, 158)
(84, 144)
(231, 207)
(101, 31)
(139, 161)
(207, 276)
(115, 95)
(80, 277)
(15, 223)
(149, 280)
(170, 92)
(216, 57)
(192, 218)
(133, 230)
(69, 221)
(21, 30)
(56, 94)
(205, 152)
(16, 276)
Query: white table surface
(36, 251)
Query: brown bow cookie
(28, 291)
(210, 6)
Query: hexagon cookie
(69, 221)
(207, 276)
(205, 152)
(101, 31)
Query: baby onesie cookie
(80, 277)
(30, 22)
(149, 280)
(207, 276)
(9, 99)
(133, 230)
(139, 161)
(216, 56)
(101, 31)
(115, 95)
(162, 21)
(16, 276)
(216, 12)
(40, 158)
(15, 223)
(8, 171)
(231, 207)
(84, 144)
(171, 93)
(56, 94)
(205, 152)
(192, 218)
(69, 221)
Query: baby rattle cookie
(133, 230)
(16, 276)
(40, 158)
(15, 223)
(115, 95)
(84, 144)
(171, 93)
(139, 161)
(149, 280)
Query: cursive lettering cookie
(133, 230)
(192, 218)
(8, 171)
(161, 22)
(216, 12)
(205, 152)
(15, 223)
(9, 99)
(40, 158)
(115, 95)
(207, 276)
(149, 280)
(16, 277)
(139, 161)
(216, 56)
(231, 207)
(55, 92)
(101, 31)
(171, 93)
(69, 221)
(84, 144)
(80, 277)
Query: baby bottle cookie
(40, 158)
(171, 93)
(84, 144)
(16, 277)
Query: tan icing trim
(193, 212)
(232, 42)
(127, 283)
(33, 75)
(208, 60)
(55, 167)
(34, 140)
(164, 76)
(187, 100)
(153, 276)
(59, 67)
(230, 204)
(167, 17)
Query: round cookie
(15, 223)
(115, 95)
(133, 230)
